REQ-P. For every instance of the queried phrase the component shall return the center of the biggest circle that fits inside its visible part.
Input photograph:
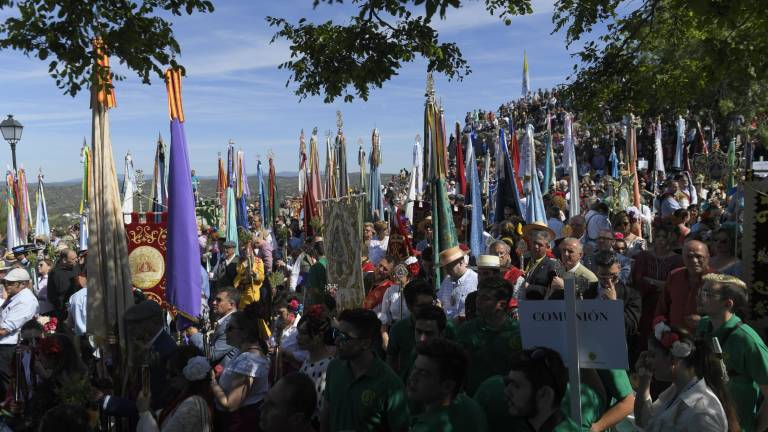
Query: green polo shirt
(746, 358)
(463, 415)
(490, 396)
(402, 344)
(490, 351)
(615, 383)
(375, 401)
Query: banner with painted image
(755, 250)
(342, 237)
(147, 236)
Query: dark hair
(176, 362)
(543, 367)
(426, 254)
(233, 294)
(317, 325)
(500, 286)
(606, 258)
(432, 313)
(65, 418)
(680, 213)
(415, 288)
(390, 259)
(302, 396)
(706, 364)
(67, 358)
(249, 323)
(730, 231)
(450, 358)
(364, 321)
(319, 248)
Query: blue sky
(233, 90)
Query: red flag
(460, 174)
(515, 152)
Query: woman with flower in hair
(627, 223)
(698, 399)
(62, 378)
(241, 388)
(192, 407)
(316, 337)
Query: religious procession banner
(342, 236)
(755, 249)
(147, 237)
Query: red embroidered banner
(147, 236)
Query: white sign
(601, 339)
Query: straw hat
(450, 255)
(488, 261)
(538, 226)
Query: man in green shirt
(745, 354)
(534, 388)
(362, 393)
(317, 278)
(492, 339)
(435, 384)
(402, 343)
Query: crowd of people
(273, 352)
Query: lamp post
(11, 130)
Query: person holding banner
(723, 299)
(698, 399)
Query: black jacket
(61, 284)
(632, 304)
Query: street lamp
(11, 130)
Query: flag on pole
(526, 79)
(184, 285)
(242, 192)
(86, 190)
(273, 202)
(263, 198)
(507, 195)
(330, 170)
(549, 165)
(461, 176)
(24, 209)
(677, 162)
(414, 182)
(731, 166)
(376, 203)
(159, 187)
(42, 227)
(314, 186)
(341, 158)
(418, 171)
(570, 163)
(534, 208)
(435, 146)
(109, 275)
(476, 244)
(231, 207)
(632, 160)
(659, 168)
(12, 231)
(361, 162)
(302, 164)
(129, 184)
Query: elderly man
(571, 252)
(226, 269)
(678, 301)
(541, 268)
(460, 282)
(578, 227)
(19, 307)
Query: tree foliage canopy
(336, 60)
(63, 31)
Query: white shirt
(393, 306)
(696, 409)
(453, 294)
(556, 225)
(42, 295)
(289, 343)
(15, 312)
(78, 304)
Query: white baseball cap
(17, 275)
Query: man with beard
(534, 389)
(362, 393)
(435, 383)
(61, 283)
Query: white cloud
(474, 14)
